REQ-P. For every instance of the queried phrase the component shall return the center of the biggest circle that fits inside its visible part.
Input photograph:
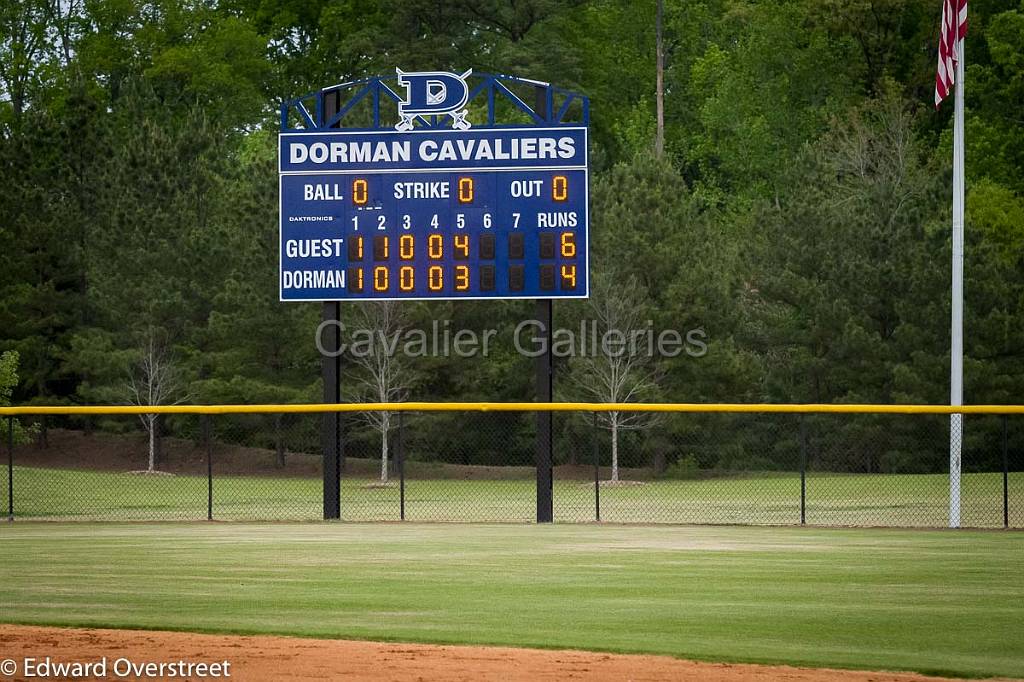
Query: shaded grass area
(869, 499)
(930, 601)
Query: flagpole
(956, 360)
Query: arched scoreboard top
(494, 100)
(434, 185)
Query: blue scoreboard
(434, 214)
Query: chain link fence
(701, 468)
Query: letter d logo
(433, 93)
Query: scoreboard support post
(330, 428)
(545, 381)
(545, 384)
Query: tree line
(793, 204)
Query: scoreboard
(434, 214)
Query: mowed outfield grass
(948, 602)
(866, 500)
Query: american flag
(954, 28)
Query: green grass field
(867, 500)
(930, 601)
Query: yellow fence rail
(807, 408)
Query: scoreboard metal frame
(380, 225)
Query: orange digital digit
(360, 192)
(568, 276)
(461, 277)
(568, 245)
(435, 246)
(465, 190)
(560, 188)
(381, 248)
(462, 246)
(435, 278)
(355, 248)
(406, 278)
(355, 280)
(380, 278)
(406, 247)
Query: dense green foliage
(8, 380)
(936, 602)
(800, 216)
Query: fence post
(1006, 479)
(401, 468)
(207, 439)
(10, 468)
(803, 471)
(597, 470)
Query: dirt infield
(263, 658)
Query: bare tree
(624, 370)
(66, 22)
(659, 95)
(382, 375)
(22, 47)
(154, 381)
